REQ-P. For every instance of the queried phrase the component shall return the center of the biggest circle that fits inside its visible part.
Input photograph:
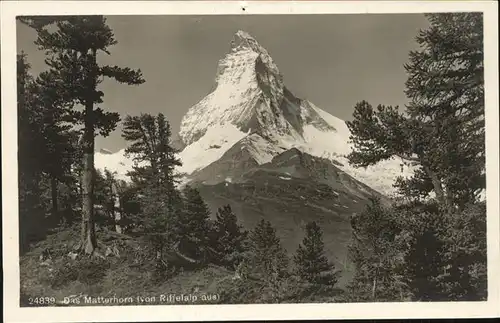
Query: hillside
(123, 275)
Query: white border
(13, 313)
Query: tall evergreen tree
(376, 256)
(269, 258)
(311, 263)
(56, 133)
(152, 151)
(29, 150)
(420, 249)
(230, 238)
(154, 175)
(442, 130)
(464, 277)
(72, 44)
(193, 226)
(49, 147)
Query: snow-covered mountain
(251, 109)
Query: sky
(334, 61)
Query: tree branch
(123, 75)
(412, 159)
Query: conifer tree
(56, 131)
(154, 176)
(30, 148)
(268, 256)
(49, 144)
(420, 248)
(464, 277)
(442, 130)
(193, 226)
(310, 260)
(376, 256)
(230, 238)
(152, 151)
(72, 45)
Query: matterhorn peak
(248, 88)
(244, 35)
(243, 40)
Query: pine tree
(230, 238)
(154, 176)
(446, 91)
(310, 260)
(193, 226)
(269, 258)
(56, 133)
(30, 148)
(442, 130)
(376, 255)
(50, 144)
(421, 249)
(152, 151)
(464, 277)
(72, 44)
(70, 190)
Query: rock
(46, 262)
(116, 252)
(45, 255)
(72, 255)
(112, 252)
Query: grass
(127, 276)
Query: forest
(83, 231)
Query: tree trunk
(88, 178)
(54, 195)
(89, 242)
(374, 287)
(116, 208)
(436, 183)
(442, 198)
